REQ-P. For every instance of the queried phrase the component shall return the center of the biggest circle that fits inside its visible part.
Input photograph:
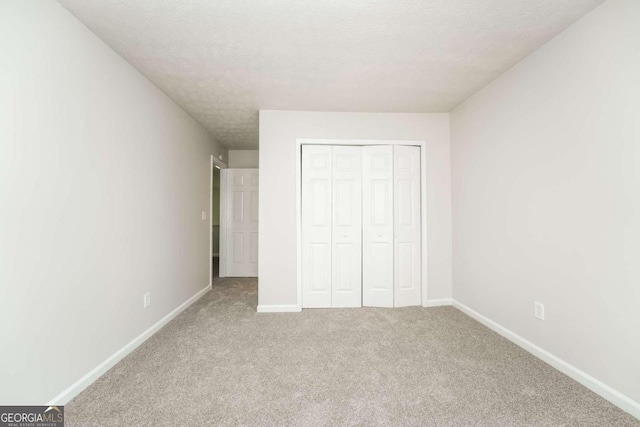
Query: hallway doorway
(216, 167)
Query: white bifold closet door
(331, 224)
(361, 231)
(406, 226)
(391, 232)
(347, 227)
(377, 226)
(316, 226)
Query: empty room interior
(320, 213)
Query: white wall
(102, 181)
(278, 133)
(243, 159)
(546, 197)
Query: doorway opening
(214, 232)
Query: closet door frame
(362, 142)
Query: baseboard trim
(289, 308)
(438, 302)
(77, 387)
(620, 400)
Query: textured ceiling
(223, 60)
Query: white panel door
(377, 226)
(406, 226)
(316, 226)
(347, 227)
(241, 222)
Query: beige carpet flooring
(221, 363)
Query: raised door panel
(237, 243)
(254, 206)
(347, 227)
(377, 226)
(407, 227)
(316, 226)
(237, 207)
(253, 254)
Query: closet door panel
(407, 227)
(377, 226)
(316, 226)
(347, 227)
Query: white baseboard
(290, 308)
(75, 388)
(438, 302)
(620, 400)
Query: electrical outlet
(204, 215)
(147, 300)
(538, 310)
